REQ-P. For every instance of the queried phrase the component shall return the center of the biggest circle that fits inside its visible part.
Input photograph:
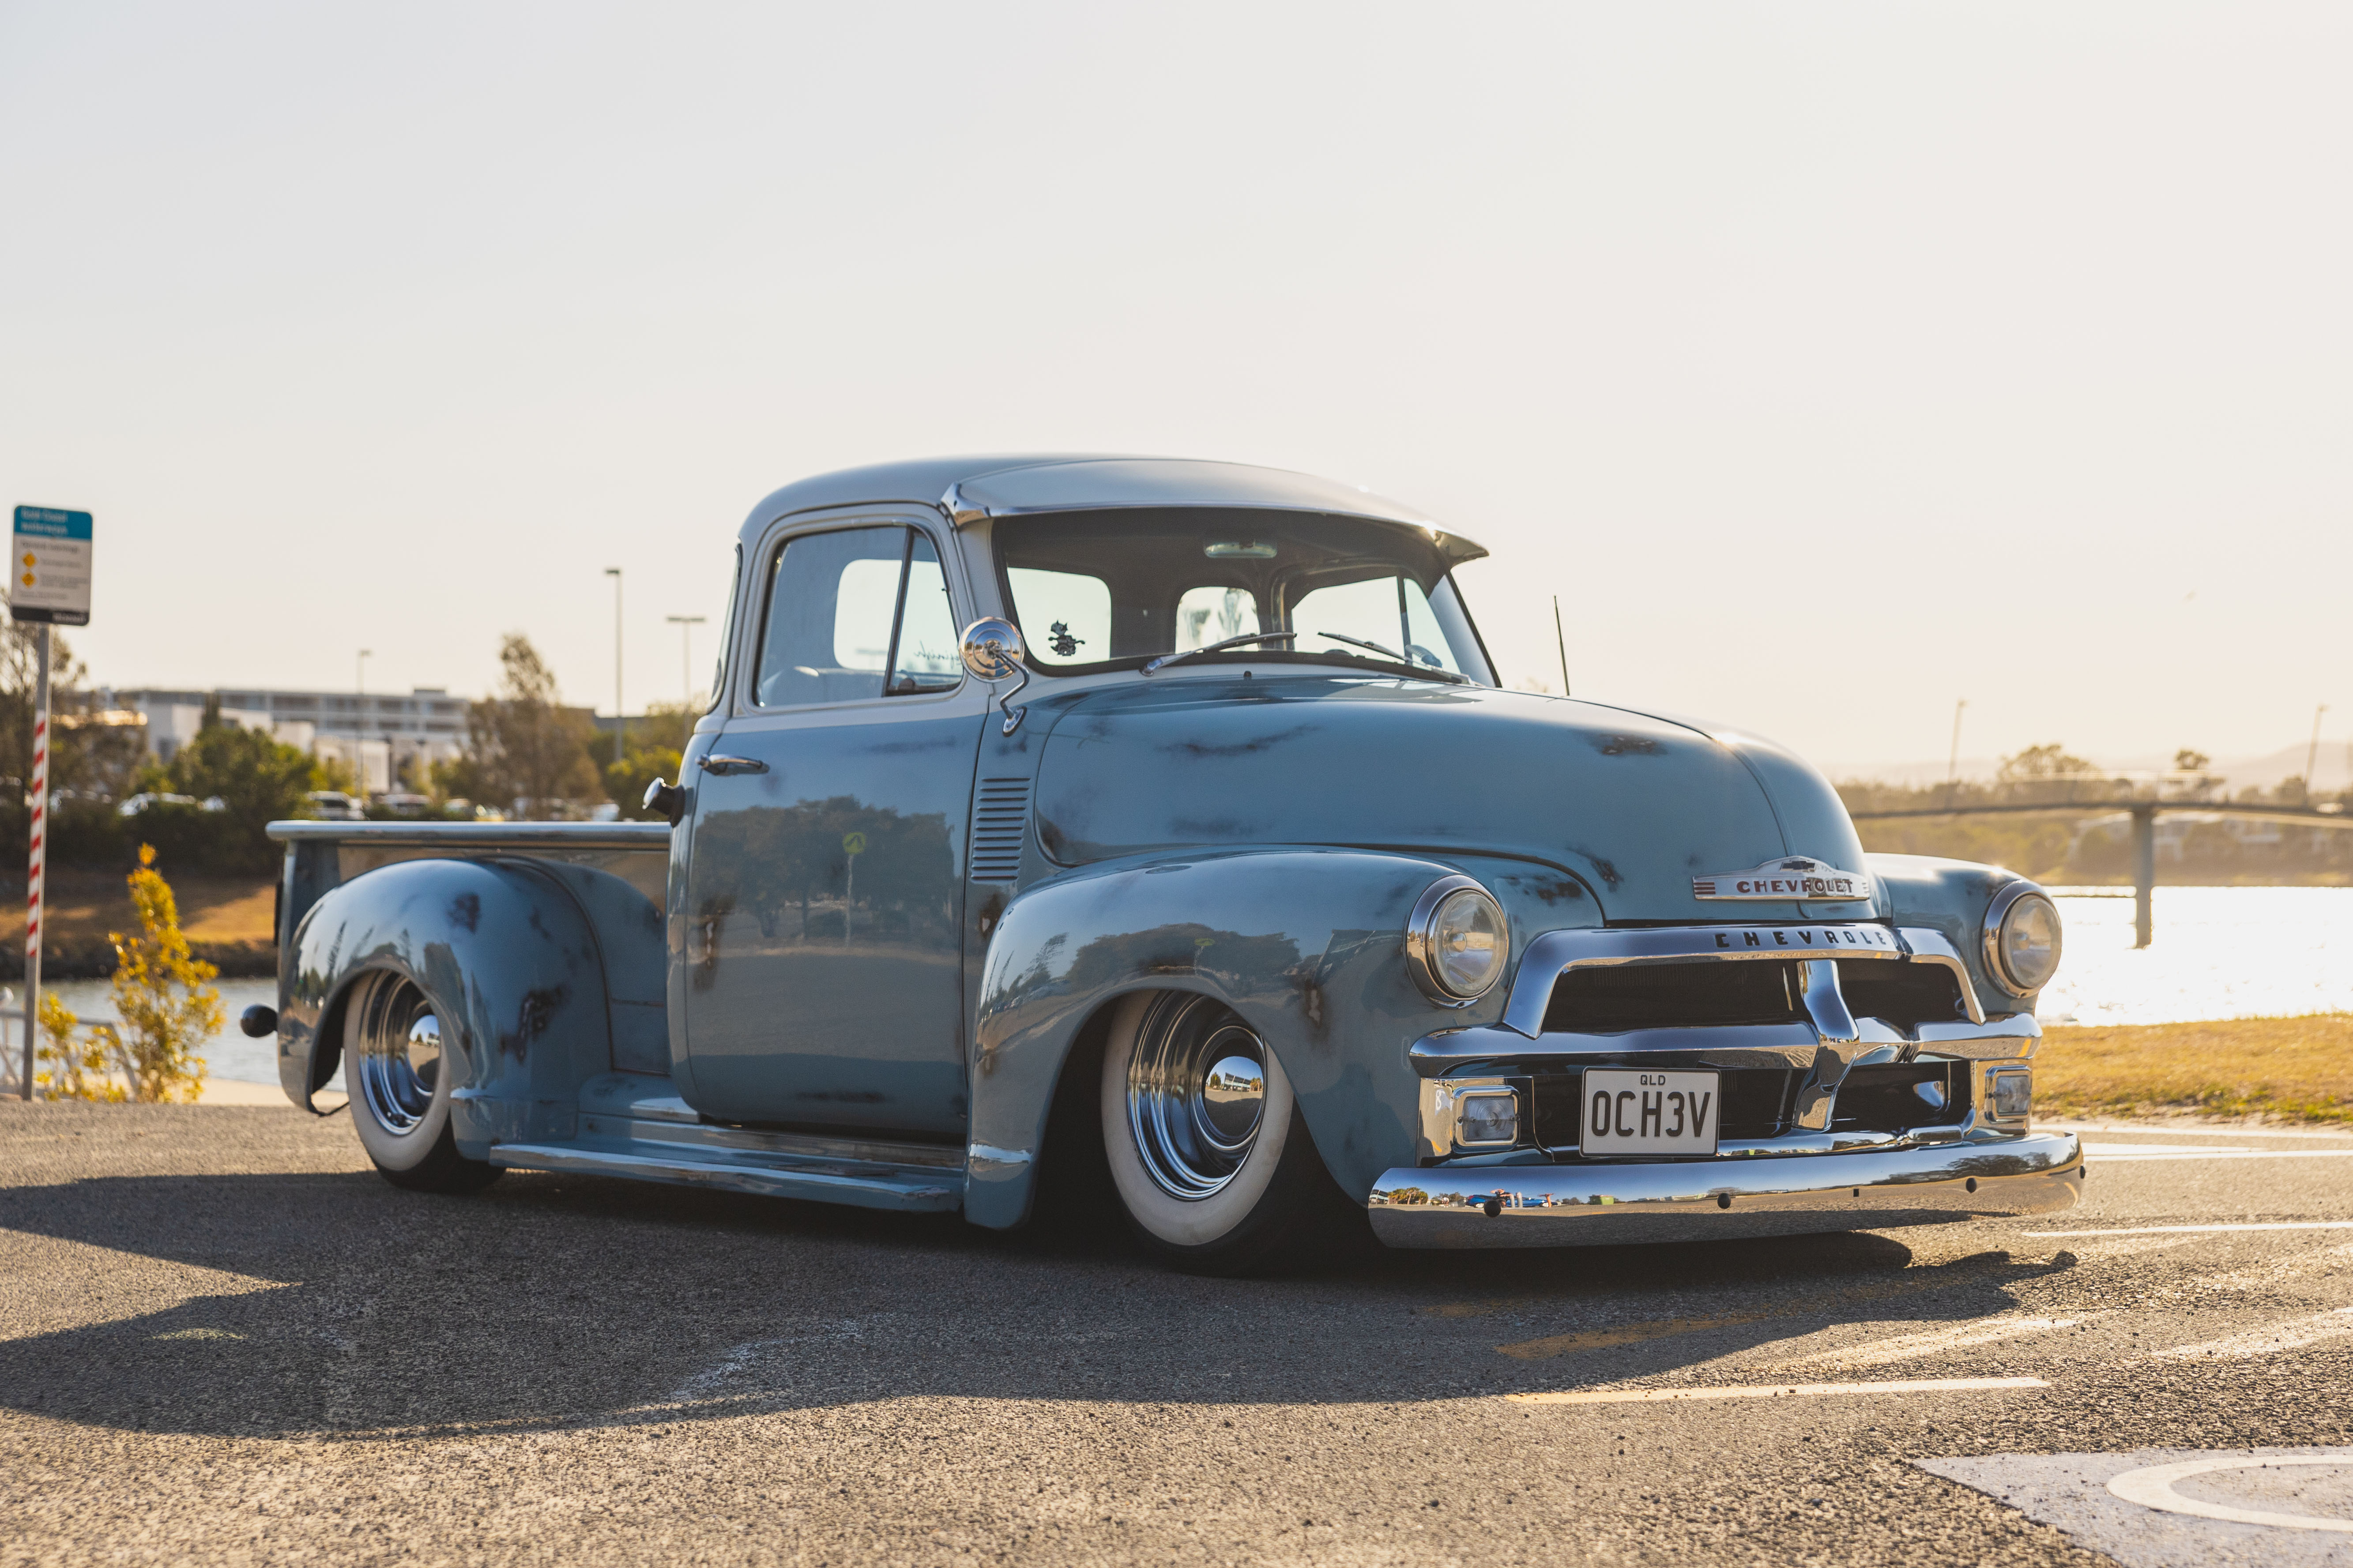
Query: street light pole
(1953, 763)
(2312, 752)
(620, 714)
(686, 625)
(359, 729)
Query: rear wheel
(395, 1067)
(1207, 1151)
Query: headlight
(2022, 936)
(1458, 940)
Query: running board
(864, 1184)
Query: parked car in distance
(334, 806)
(147, 800)
(1208, 869)
(400, 803)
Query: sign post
(48, 585)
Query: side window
(836, 619)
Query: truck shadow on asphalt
(553, 1302)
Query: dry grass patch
(2297, 1069)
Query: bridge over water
(2144, 813)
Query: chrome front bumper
(1694, 1200)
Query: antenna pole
(1562, 639)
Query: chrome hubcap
(396, 1054)
(1196, 1094)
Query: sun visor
(1109, 483)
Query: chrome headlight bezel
(1421, 941)
(2005, 906)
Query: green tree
(656, 744)
(2037, 763)
(257, 779)
(524, 751)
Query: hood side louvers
(1000, 814)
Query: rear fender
(514, 969)
(1305, 944)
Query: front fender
(1951, 897)
(1304, 943)
(513, 967)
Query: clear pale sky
(1831, 362)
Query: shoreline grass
(2297, 1069)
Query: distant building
(375, 736)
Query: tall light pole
(1953, 763)
(686, 625)
(359, 728)
(2312, 752)
(620, 714)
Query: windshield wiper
(1168, 658)
(1435, 672)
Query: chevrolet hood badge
(1794, 877)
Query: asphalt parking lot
(223, 1339)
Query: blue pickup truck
(1159, 831)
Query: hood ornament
(1792, 877)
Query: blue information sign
(49, 572)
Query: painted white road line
(2266, 1341)
(1774, 1391)
(1934, 1341)
(2187, 1131)
(2203, 1229)
(2135, 1153)
(2152, 1486)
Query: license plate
(1628, 1113)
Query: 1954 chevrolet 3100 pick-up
(1208, 865)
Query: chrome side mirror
(992, 649)
(992, 652)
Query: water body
(2217, 953)
(2220, 953)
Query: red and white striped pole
(37, 864)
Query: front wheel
(1209, 1155)
(394, 1069)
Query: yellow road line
(1775, 1391)
(1627, 1335)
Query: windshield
(1095, 591)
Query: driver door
(825, 889)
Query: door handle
(725, 765)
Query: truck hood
(1635, 805)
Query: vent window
(1000, 814)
